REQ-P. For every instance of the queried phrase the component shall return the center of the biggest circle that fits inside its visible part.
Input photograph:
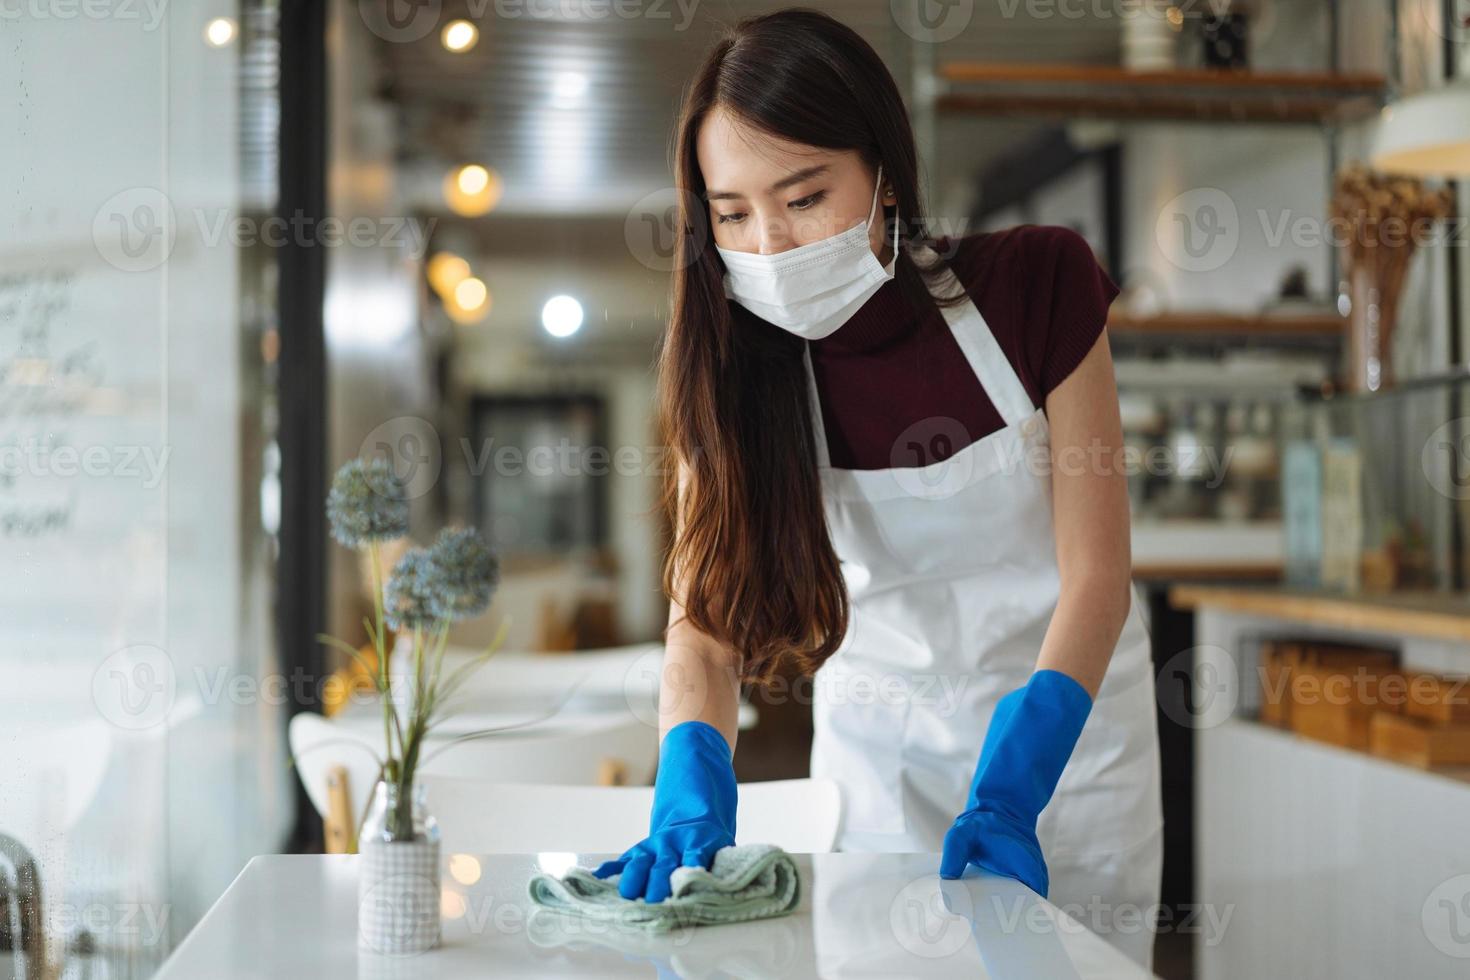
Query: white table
(870, 915)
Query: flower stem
(385, 687)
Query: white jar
(398, 875)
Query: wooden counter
(1435, 615)
(1282, 821)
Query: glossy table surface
(867, 915)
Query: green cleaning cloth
(744, 882)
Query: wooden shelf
(1155, 571)
(1228, 325)
(1184, 94)
(1436, 615)
(1223, 78)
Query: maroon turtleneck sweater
(1044, 297)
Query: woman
(897, 471)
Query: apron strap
(983, 352)
(989, 362)
(819, 430)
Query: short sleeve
(1070, 293)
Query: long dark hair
(751, 560)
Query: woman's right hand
(693, 813)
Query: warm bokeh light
(464, 868)
(459, 36)
(472, 179)
(445, 271)
(469, 303)
(219, 32)
(472, 190)
(470, 293)
(451, 904)
(561, 316)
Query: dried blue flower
(408, 598)
(467, 573)
(368, 502)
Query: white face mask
(813, 289)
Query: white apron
(952, 573)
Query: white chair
(629, 671)
(483, 817)
(337, 759)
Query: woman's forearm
(699, 682)
(1085, 626)
(1091, 519)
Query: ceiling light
(568, 87)
(472, 179)
(561, 316)
(470, 293)
(472, 190)
(445, 271)
(1426, 135)
(219, 32)
(459, 36)
(469, 302)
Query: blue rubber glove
(1030, 738)
(693, 813)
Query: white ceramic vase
(398, 878)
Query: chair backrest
(483, 817)
(578, 751)
(318, 746)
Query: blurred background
(244, 242)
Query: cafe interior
(262, 259)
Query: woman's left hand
(996, 842)
(1027, 745)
